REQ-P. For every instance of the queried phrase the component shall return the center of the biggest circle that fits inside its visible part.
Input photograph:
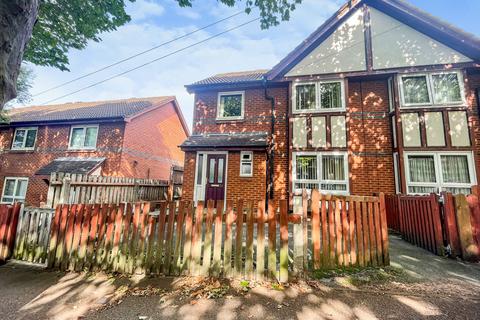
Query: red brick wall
(369, 141)
(473, 82)
(151, 144)
(257, 119)
(52, 142)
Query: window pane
(246, 168)
(308, 186)
(422, 168)
(330, 95)
(418, 189)
(7, 199)
(220, 171)
(21, 189)
(333, 168)
(455, 169)
(306, 167)
(305, 97)
(211, 171)
(77, 138)
(446, 88)
(30, 141)
(231, 105)
(91, 137)
(458, 190)
(334, 187)
(415, 89)
(200, 169)
(19, 138)
(9, 187)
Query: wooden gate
(8, 226)
(33, 232)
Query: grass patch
(363, 276)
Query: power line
(137, 54)
(154, 60)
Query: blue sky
(248, 48)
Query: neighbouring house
(130, 138)
(381, 98)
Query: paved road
(436, 288)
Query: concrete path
(430, 287)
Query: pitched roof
(71, 165)
(229, 140)
(242, 77)
(416, 18)
(96, 110)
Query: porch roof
(71, 165)
(226, 141)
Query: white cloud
(143, 9)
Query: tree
(54, 27)
(42, 31)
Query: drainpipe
(271, 152)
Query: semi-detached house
(381, 98)
(136, 138)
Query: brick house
(380, 98)
(130, 138)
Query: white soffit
(342, 51)
(395, 44)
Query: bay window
(445, 88)
(319, 96)
(433, 172)
(325, 171)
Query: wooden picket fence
(8, 223)
(32, 238)
(76, 188)
(233, 239)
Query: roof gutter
(271, 153)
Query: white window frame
(318, 108)
(440, 184)
(15, 198)
(84, 127)
(219, 106)
(25, 138)
(242, 153)
(429, 78)
(319, 179)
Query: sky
(248, 48)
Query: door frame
(204, 170)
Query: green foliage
(271, 11)
(66, 24)
(24, 84)
(245, 284)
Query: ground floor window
(325, 171)
(433, 172)
(14, 189)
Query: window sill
(21, 150)
(433, 106)
(319, 111)
(227, 120)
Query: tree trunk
(17, 18)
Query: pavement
(428, 287)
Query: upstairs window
(24, 138)
(14, 189)
(246, 164)
(431, 89)
(319, 96)
(83, 137)
(230, 105)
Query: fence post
(437, 224)
(451, 224)
(383, 223)
(298, 244)
(470, 250)
(65, 193)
